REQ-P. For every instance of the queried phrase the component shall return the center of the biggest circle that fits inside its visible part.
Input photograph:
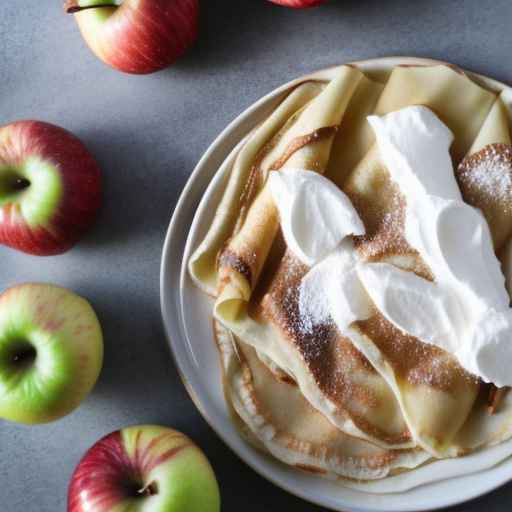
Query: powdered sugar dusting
(332, 289)
(313, 309)
(488, 172)
(313, 300)
(384, 218)
(295, 272)
(417, 362)
(335, 364)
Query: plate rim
(374, 64)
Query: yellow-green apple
(50, 188)
(298, 4)
(137, 36)
(144, 469)
(51, 352)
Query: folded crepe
(297, 434)
(203, 264)
(436, 395)
(377, 384)
(354, 397)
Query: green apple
(51, 352)
(144, 468)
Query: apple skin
(51, 352)
(138, 36)
(63, 195)
(144, 468)
(298, 4)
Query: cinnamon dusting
(414, 361)
(332, 359)
(234, 261)
(257, 178)
(299, 142)
(383, 215)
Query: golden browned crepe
(375, 384)
(359, 403)
(297, 433)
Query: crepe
(435, 394)
(297, 434)
(203, 264)
(354, 137)
(355, 398)
(376, 383)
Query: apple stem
(20, 184)
(12, 183)
(149, 490)
(73, 6)
(24, 357)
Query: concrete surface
(148, 133)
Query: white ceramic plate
(187, 318)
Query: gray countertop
(148, 133)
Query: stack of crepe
(378, 402)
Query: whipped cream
(466, 309)
(315, 214)
(332, 291)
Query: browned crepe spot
(243, 263)
(302, 445)
(384, 224)
(299, 142)
(485, 180)
(238, 262)
(485, 176)
(311, 469)
(284, 377)
(331, 358)
(495, 397)
(412, 360)
(257, 177)
(382, 209)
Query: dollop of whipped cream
(315, 214)
(465, 310)
(332, 291)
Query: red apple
(298, 4)
(137, 36)
(147, 469)
(50, 188)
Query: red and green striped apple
(137, 36)
(50, 188)
(298, 4)
(144, 469)
(51, 352)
